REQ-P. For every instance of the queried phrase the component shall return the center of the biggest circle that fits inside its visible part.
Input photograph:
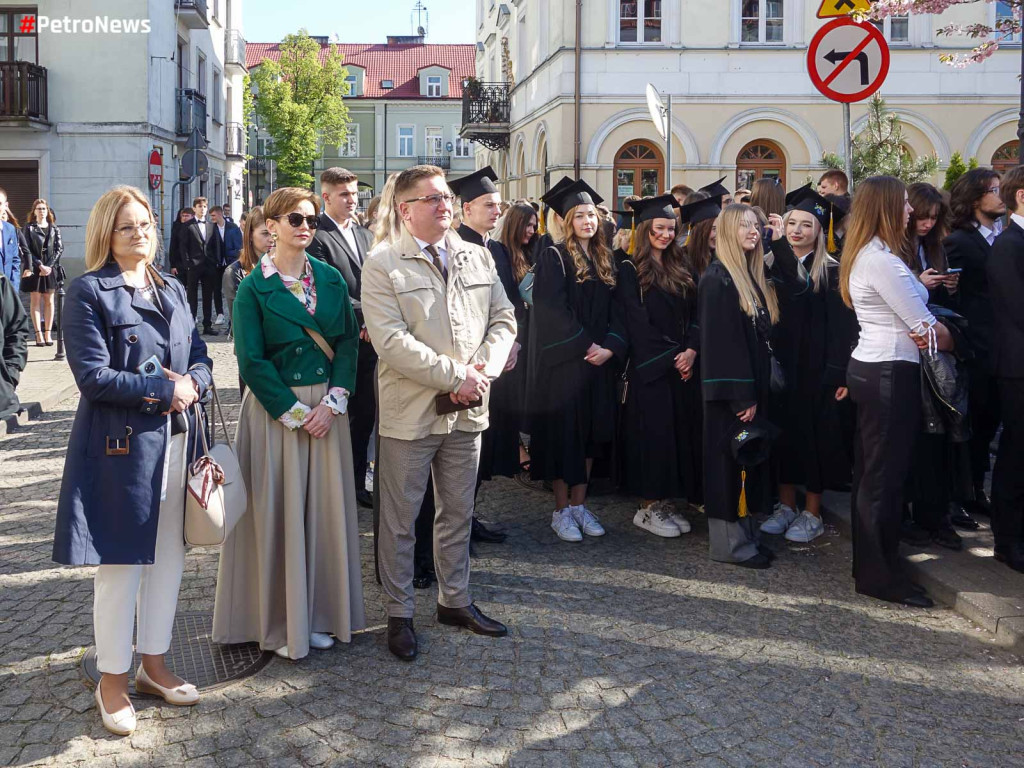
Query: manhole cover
(194, 656)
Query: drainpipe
(577, 139)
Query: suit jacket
(330, 245)
(198, 252)
(967, 249)
(232, 243)
(1005, 270)
(14, 331)
(10, 253)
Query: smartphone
(954, 271)
(152, 367)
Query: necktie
(437, 262)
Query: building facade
(743, 104)
(404, 102)
(90, 88)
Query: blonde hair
(820, 260)
(387, 226)
(878, 209)
(555, 225)
(99, 230)
(745, 269)
(597, 251)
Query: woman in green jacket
(289, 573)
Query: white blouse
(889, 301)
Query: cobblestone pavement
(626, 650)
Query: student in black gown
(814, 338)
(718, 191)
(700, 215)
(737, 309)
(574, 335)
(662, 410)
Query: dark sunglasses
(296, 219)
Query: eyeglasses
(296, 219)
(992, 191)
(434, 200)
(130, 230)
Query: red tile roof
(400, 63)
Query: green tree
(955, 170)
(299, 103)
(879, 150)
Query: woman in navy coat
(122, 497)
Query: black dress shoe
(210, 332)
(913, 534)
(481, 532)
(364, 498)
(1012, 555)
(981, 505)
(471, 618)
(758, 562)
(948, 538)
(960, 517)
(422, 582)
(402, 638)
(767, 552)
(916, 600)
(423, 576)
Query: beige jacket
(426, 336)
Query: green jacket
(275, 353)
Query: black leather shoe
(948, 538)
(762, 549)
(916, 601)
(961, 518)
(423, 576)
(422, 582)
(913, 534)
(981, 505)
(364, 498)
(1012, 555)
(470, 618)
(481, 532)
(402, 638)
(210, 332)
(758, 562)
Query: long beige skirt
(291, 565)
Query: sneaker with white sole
(805, 528)
(676, 517)
(655, 519)
(321, 641)
(779, 522)
(587, 521)
(564, 524)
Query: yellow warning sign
(833, 8)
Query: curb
(34, 409)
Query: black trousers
(218, 290)
(888, 398)
(361, 409)
(207, 277)
(1008, 475)
(984, 412)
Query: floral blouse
(303, 289)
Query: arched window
(761, 159)
(1007, 156)
(639, 169)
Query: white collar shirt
(439, 246)
(348, 231)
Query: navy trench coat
(109, 502)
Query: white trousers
(150, 591)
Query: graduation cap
(549, 196)
(478, 183)
(827, 213)
(568, 197)
(701, 210)
(716, 189)
(660, 207)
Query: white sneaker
(677, 517)
(805, 528)
(219, 319)
(587, 521)
(320, 640)
(368, 480)
(565, 525)
(779, 522)
(655, 519)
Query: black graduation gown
(663, 415)
(813, 341)
(499, 444)
(735, 371)
(571, 402)
(15, 328)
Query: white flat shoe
(321, 641)
(121, 723)
(185, 695)
(283, 652)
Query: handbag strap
(321, 342)
(220, 414)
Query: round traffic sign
(848, 61)
(156, 169)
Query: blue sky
(357, 21)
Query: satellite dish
(657, 109)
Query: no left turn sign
(848, 61)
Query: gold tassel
(743, 494)
(831, 235)
(631, 249)
(540, 225)
(689, 234)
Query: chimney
(405, 39)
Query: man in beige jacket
(442, 326)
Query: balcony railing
(235, 49)
(191, 112)
(444, 162)
(192, 13)
(22, 90)
(485, 113)
(234, 143)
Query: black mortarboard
(660, 207)
(478, 183)
(716, 189)
(701, 210)
(751, 442)
(576, 193)
(550, 195)
(825, 211)
(625, 219)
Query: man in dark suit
(10, 250)
(977, 209)
(231, 246)
(201, 248)
(1006, 278)
(175, 253)
(342, 243)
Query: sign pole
(668, 142)
(848, 144)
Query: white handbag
(215, 499)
